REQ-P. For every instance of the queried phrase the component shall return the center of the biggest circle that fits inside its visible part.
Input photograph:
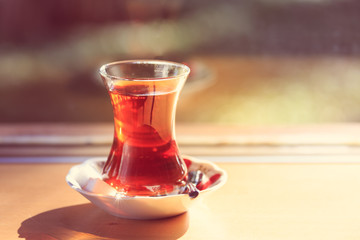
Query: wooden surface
(259, 201)
(290, 182)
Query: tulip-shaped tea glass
(144, 159)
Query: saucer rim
(222, 180)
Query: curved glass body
(144, 159)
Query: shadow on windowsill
(88, 222)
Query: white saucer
(86, 179)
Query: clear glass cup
(144, 159)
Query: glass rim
(103, 70)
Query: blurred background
(254, 62)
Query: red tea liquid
(144, 158)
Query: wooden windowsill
(206, 139)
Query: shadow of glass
(88, 222)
